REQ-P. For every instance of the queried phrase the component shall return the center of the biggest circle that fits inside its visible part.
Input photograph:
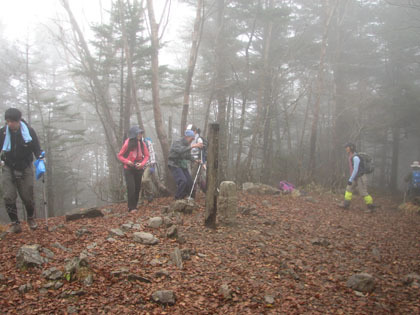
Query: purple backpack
(286, 186)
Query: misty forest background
(289, 82)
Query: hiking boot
(345, 204)
(371, 208)
(32, 223)
(14, 228)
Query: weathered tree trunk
(101, 100)
(212, 180)
(220, 86)
(329, 10)
(128, 56)
(196, 38)
(161, 133)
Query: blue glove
(349, 183)
(152, 169)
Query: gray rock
(136, 226)
(269, 299)
(320, 242)
(259, 189)
(25, 288)
(176, 258)
(2, 277)
(155, 222)
(225, 291)
(266, 203)
(75, 264)
(52, 273)
(376, 254)
(119, 272)
(111, 240)
(126, 226)
(134, 277)
(167, 221)
(59, 246)
(78, 214)
(162, 273)
(116, 232)
(82, 231)
(49, 285)
(47, 253)
(145, 238)
(183, 206)
(28, 256)
(362, 282)
(58, 285)
(411, 279)
(156, 262)
(172, 232)
(186, 253)
(71, 309)
(165, 297)
(3, 235)
(92, 245)
(88, 280)
(227, 203)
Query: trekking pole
(195, 180)
(45, 201)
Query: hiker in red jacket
(134, 155)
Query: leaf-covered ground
(272, 252)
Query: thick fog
(289, 82)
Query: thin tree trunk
(196, 38)
(161, 133)
(320, 80)
(395, 158)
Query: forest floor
(287, 255)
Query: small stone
(72, 309)
(92, 245)
(82, 231)
(176, 258)
(165, 297)
(167, 221)
(48, 253)
(155, 262)
(25, 288)
(52, 273)
(49, 285)
(116, 232)
(155, 222)
(162, 273)
(117, 273)
(58, 285)
(59, 246)
(145, 238)
(28, 256)
(134, 277)
(111, 240)
(2, 277)
(136, 226)
(269, 299)
(225, 291)
(88, 280)
(172, 232)
(362, 282)
(201, 255)
(126, 226)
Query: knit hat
(134, 131)
(189, 133)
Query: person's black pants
(133, 181)
(183, 181)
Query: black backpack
(366, 163)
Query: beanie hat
(134, 131)
(189, 133)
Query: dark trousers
(183, 181)
(18, 182)
(133, 181)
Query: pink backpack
(286, 186)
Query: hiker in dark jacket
(134, 155)
(19, 144)
(357, 180)
(179, 157)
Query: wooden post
(212, 176)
